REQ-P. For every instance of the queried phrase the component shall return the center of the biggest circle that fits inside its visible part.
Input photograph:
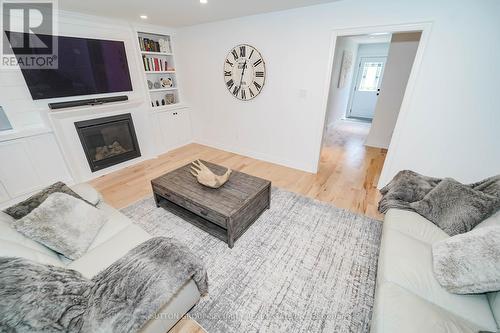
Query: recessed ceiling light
(144, 17)
(203, 1)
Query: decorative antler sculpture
(206, 177)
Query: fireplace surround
(108, 141)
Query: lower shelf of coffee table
(194, 219)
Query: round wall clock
(244, 72)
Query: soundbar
(91, 102)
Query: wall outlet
(303, 93)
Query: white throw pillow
(469, 263)
(63, 223)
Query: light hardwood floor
(347, 177)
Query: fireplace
(108, 141)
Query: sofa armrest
(88, 193)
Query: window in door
(371, 75)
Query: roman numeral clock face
(244, 72)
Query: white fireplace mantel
(63, 123)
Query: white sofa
(408, 298)
(116, 238)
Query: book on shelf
(154, 64)
(150, 45)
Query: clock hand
(243, 72)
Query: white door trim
(425, 27)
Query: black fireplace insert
(108, 141)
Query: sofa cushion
(407, 262)
(469, 263)
(63, 223)
(116, 222)
(108, 252)
(494, 299)
(413, 225)
(23, 208)
(11, 249)
(397, 310)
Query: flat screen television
(85, 67)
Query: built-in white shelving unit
(159, 69)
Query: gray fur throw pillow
(469, 263)
(62, 223)
(23, 208)
(456, 208)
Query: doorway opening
(370, 74)
(367, 74)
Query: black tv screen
(85, 67)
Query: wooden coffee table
(226, 212)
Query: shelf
(167, 65)
(163, 89)
(169, 107)
(156, 53)
(160, 72)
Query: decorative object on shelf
(163, 101)
(166, 82)
(150, 84)
(244, 72)
(170, 98)
(206, 177)
(157, 85)
(152, 104)
(346, 68)
(157, 103)
(164, 46)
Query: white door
(367, 87)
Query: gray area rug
(303, 266)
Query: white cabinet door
(28, 164)
(47, 157)
(174, 130)
(17, 170)
(166, 128)
(183, 127)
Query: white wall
(449, 127)
(338, 98)
(396, 73)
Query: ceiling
(178, 13)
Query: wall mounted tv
(85, 67)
